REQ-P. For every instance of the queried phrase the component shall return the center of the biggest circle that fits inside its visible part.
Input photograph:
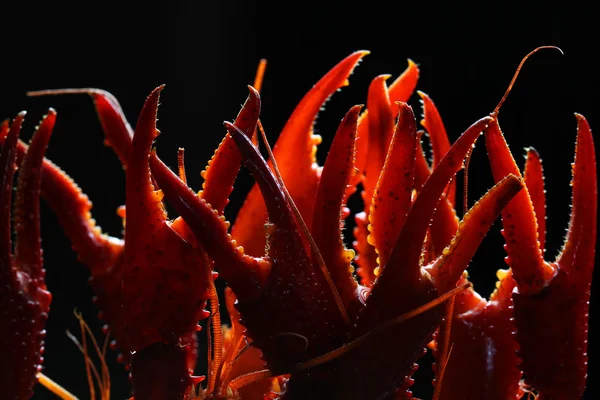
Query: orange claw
(223, 168)
(407, 249)
(380, 122)
(373, 138)
(295, 154)
(24, 298)
(337, 172)
(534, 180)
(552, 314)
(402, 286)
(392, 195)
(400, 90)
(432, 122)
(448, 268)
(520, 231)
(381, 128)
(579, 248)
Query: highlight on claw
(313, 316)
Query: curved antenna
(514, 78)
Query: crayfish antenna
(215, 334)
(181, 164)
(494, 113)
(54, 387)
(240, 357)
(260, 74)
(102, 378)
(258, 81)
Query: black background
(206, 54)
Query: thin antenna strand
(512, 82)
(54, 387)
(260, 74)
(181, 164)
(332, 355)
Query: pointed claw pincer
(551, 299)
(24, 298)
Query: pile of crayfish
(305, 324)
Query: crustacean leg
(24, 298)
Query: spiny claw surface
(551, 300)
(24, 298)
(337, 172)
(374, 133)
(298, 312)
(295, 153)
(483, 363)
(402, 286)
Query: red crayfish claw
(24, 298)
